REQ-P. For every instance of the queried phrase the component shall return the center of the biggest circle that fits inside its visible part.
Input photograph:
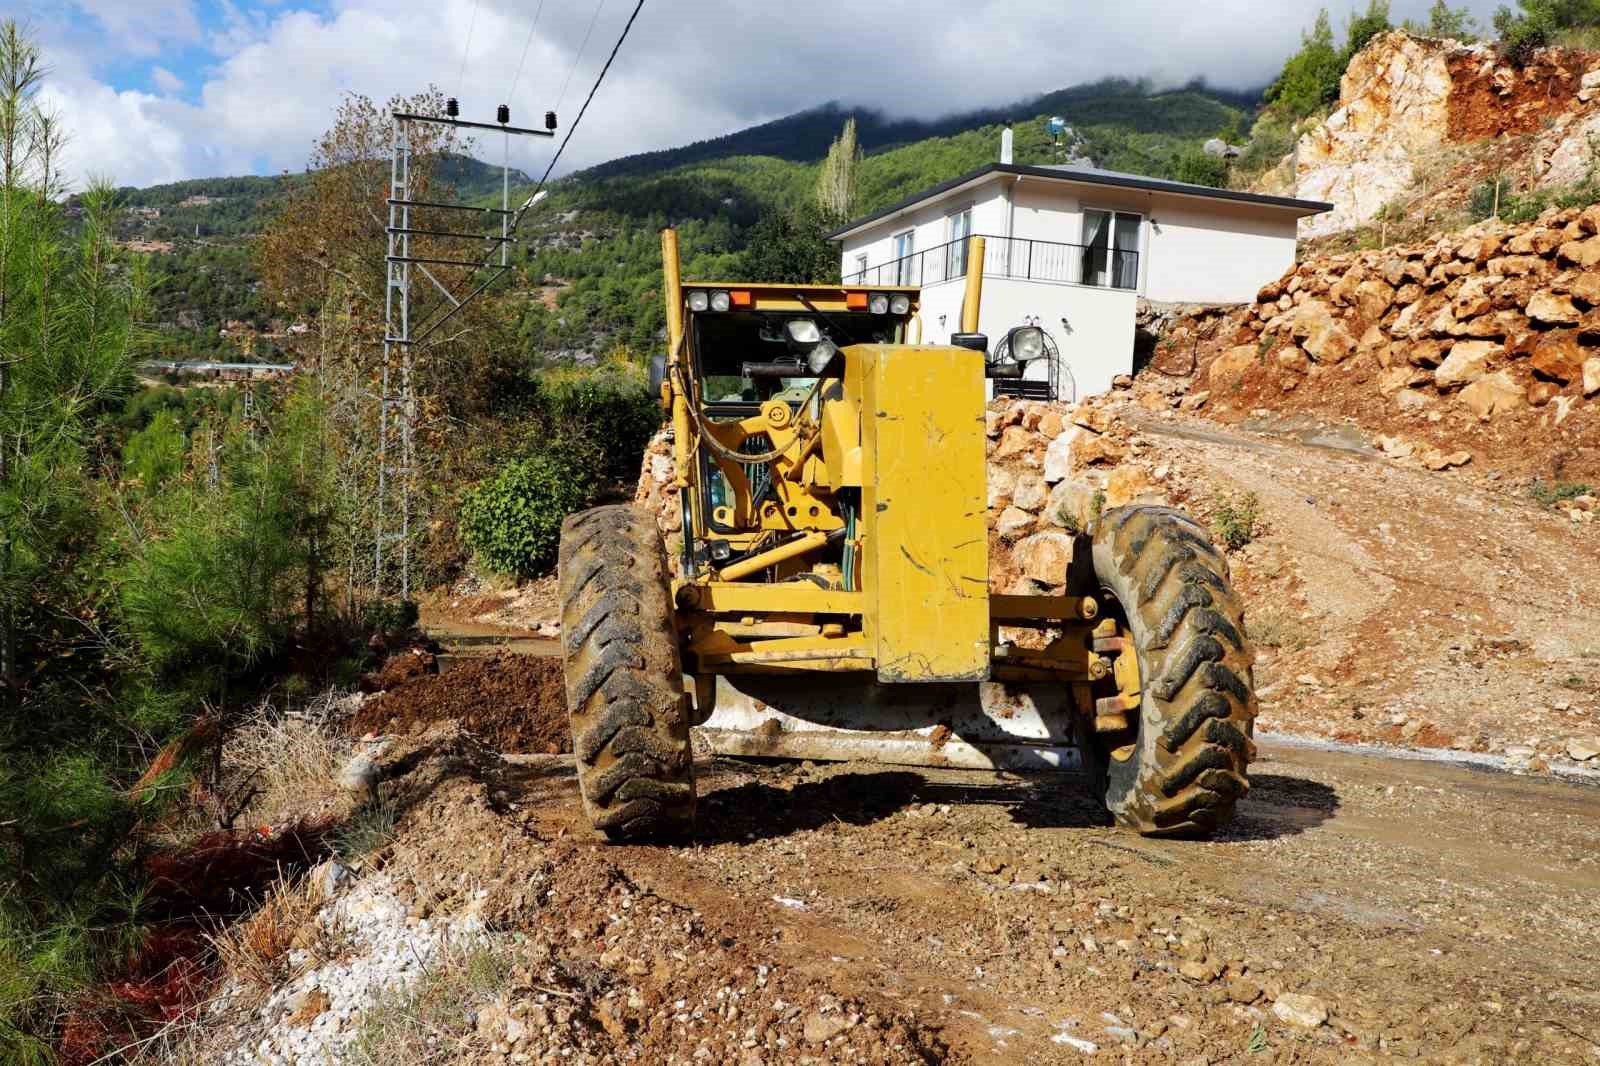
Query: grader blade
(971, 725)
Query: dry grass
(289, 761)
(255, 951)
(1276, 627)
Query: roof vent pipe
(1005, 146)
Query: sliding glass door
(1111, 248)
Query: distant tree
(1198, 167)
(1446, 21)
(1365, 26)
(837, 183)
(1310, 78)
(1539, 23)
(792, 246)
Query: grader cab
(830, 597)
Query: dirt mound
(516, 703)
(399, 668)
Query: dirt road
(1433, 911)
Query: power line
(579, 55)
(587, 100)
(467, 51)
(523, 61)
(516, 219)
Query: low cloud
(274, 75)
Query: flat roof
(1089, 176)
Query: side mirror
(658, 381)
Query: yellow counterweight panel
(925, 566)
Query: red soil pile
(515, 703)
(399, 668)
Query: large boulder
(1075, 450)
(1558, 357)
(1044, 557)
(1591, 376)
(1467, 362)
(1231, 365)
(1493, 394)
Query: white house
(1073, 250)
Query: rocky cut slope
(1485, 343)
(1422, 121)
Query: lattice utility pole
(397, 402)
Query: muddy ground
(1424, 911)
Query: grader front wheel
(630, 726)
(1179, 769)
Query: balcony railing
(1010, 257)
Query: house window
(861, 268)
(960, 230)
(905, 245)
(1111, 248)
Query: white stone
(1296, 1009)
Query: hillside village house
(1073, 250)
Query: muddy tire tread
(1189, 767)
(630, 728)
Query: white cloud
(165, 80)
(689, 71)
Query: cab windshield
(744, 357)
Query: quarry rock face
(1407, 103)
(1395, 98)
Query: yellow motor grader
(831, 595)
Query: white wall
(1215, 252)
(931, 223)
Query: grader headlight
(699, 300)
(721, 301)
(878, 303)
(899, 304)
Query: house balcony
(1014, 258)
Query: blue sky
(159, 90)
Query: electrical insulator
(452, 108)
(503, 114)
(549, 120)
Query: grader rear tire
(624, 680)
(1182, 769)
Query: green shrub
(512, 520)
(1550, 493)
(1488, 197)
(1198, 167)
(1235, 518)
(155, 453)
(605, 414)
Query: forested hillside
(588, 268)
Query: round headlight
(878, 303)
(899, 304)
(699, 300)
(1027, 343)
(720, 301)
(804, 331)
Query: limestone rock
(1231, 365)
(1076, 449)
(1126, 484)
(1541, 393)
(1013, 523)
(1044, 557)
(821, 1028)
(1051, 424)
(1583, 748)
(1586, 287)
(1467, 362)
(1029, 493)
(1015, 441)
(1425, 354)
(1584, 253)
(1553, 310)
(1591, 375)
(1001, 483)
(1076, 504)
(1493, 394)
(1308, 1012)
